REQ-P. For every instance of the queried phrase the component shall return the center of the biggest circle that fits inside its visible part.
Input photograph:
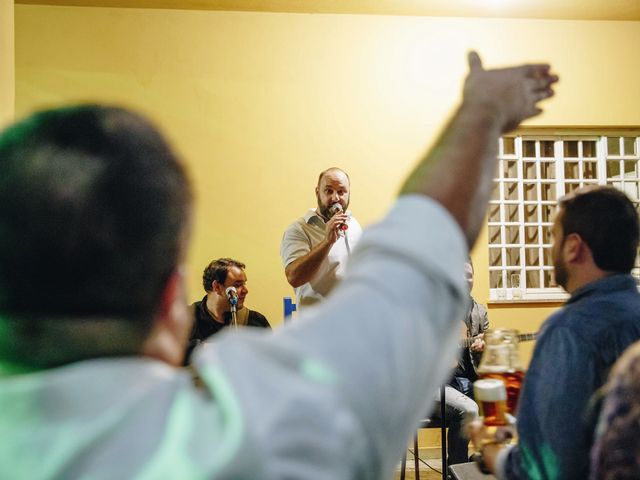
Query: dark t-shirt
(205, 325)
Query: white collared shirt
(302, 236)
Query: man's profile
(214, 312)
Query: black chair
(440, 423)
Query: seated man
(595, 243)
(213, 312)
(459, 404)
(95, 211)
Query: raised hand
(512, 94)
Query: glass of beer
(491, 395)
(501, 361)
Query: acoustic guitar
(522, 337)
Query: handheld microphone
(337, 208)
(232, 295)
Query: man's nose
(244, 290)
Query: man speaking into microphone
(315, 247)
(225, 283)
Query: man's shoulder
(477, 314)
(201, 316)
(598, 319)
(303, 222)
(257, 319)
(198, 305)
(475, 305)
(606, 308)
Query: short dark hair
(217, 270)
(94, 209)
(332, 169)
(607, 222)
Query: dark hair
(332, 169)
(607, 221)
(217, 270)
(94, 209)
(615, 453)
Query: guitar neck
(523, 337)
(527, 337)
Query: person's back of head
(607, 221)
(94, 209)
(616, 452)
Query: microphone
(232, 295)
(337, 208)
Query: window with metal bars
(537, 167)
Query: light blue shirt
(334, 395)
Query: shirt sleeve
(485, 319)
(554, 436)
(483, 326)
(294, 245)
(337, 394)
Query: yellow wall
(259, 103)
(7, 64)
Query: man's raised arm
(364, 364)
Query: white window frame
(509, 197)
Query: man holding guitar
(460, 406)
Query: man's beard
(324, 210)
(561, 273)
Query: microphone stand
(234, 317)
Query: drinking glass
(516, 290)
(500, 289)
(501, 360)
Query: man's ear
(317, 191)
(217, 287)
(172, 323)
(171, 293)
(574, 248)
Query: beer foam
(489, 390)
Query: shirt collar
(311, 213)
(205, 311)
(615, 282)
